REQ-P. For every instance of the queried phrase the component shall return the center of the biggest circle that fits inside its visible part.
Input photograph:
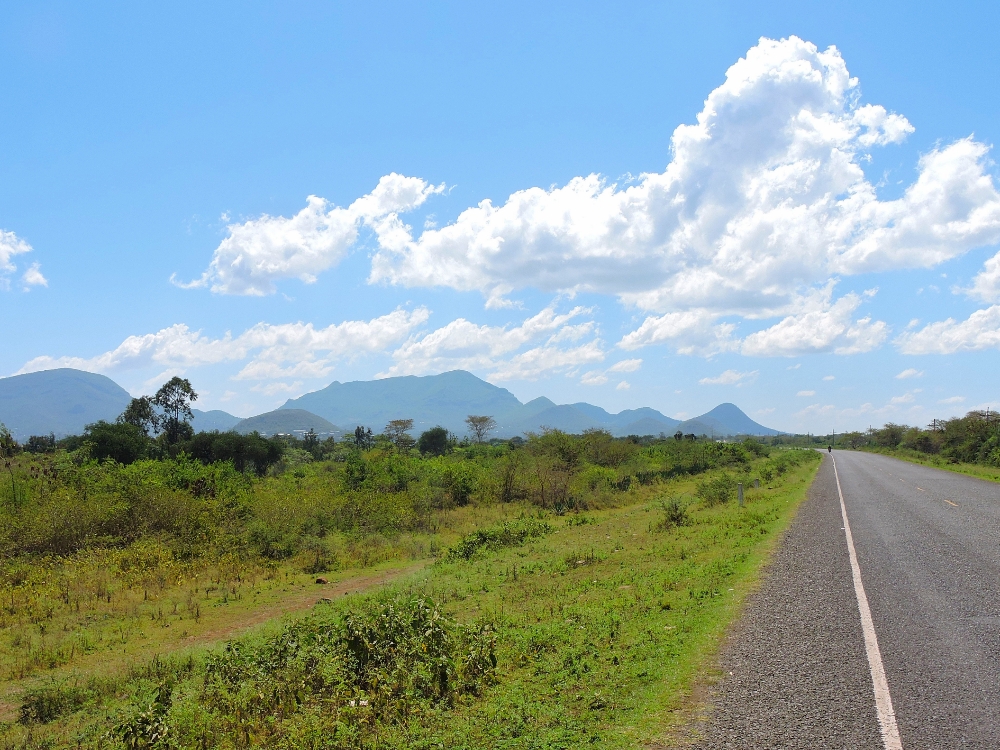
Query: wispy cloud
(729, 377)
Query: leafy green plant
(506, 534)
(674, 514)
(718, 490)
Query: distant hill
(63, 401)
(207, 421)
(286, 421)
(447, 399)
(58, 401)
(725, 419)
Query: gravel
(928, 543)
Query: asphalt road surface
(797, 674)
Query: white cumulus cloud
(986, 284)
(689, 332)
(979, 331)
(910, 372)
(764, 195)
(10, 246)
(544, 343)
(258, 252)
(819, 326)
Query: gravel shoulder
(795, 674)
(794, 670)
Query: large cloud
(764, 198)
(258, 252)
(10, 246)
(979, 331)
(541, 345)
(986, 284)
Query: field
(563, 593)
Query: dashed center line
(951, 503)
(921, 489)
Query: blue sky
(817, 241)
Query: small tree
(397, 431)
(480, 427)
(174, 399)
(310, 442)
(434, 441)
(8, 447)
(141, 413)
(122, 442)
(363, 438)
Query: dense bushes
(223, 491)
(358, 676)
(974, 438)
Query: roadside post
(739, 493)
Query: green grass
(989, 473)
(603, 622)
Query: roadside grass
(101, 611)
(989, 473)
(602, 620)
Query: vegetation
(970, 444)
(575, 585)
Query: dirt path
(298, 602)
(294, 601)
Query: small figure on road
(829, 449)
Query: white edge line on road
(883, 701)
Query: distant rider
(829, 449)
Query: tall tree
(363, 439)
(397, 430)
(174, 399)
(480, 427)
(141, 413)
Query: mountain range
(63, 401)
(447, 399)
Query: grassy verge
(989, 473)
(538, 630)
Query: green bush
(506, 534)
(674, 514)
(45, 703)
(716, 491)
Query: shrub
(434, 442)
(674, 514)
(716, 491)
(506, 534)
(50, 701)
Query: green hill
(447, 399)
(58, 401)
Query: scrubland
(562, 592)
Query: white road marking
(951, 503)
(883, 701)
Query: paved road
(928, 546)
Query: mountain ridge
(64, 400)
